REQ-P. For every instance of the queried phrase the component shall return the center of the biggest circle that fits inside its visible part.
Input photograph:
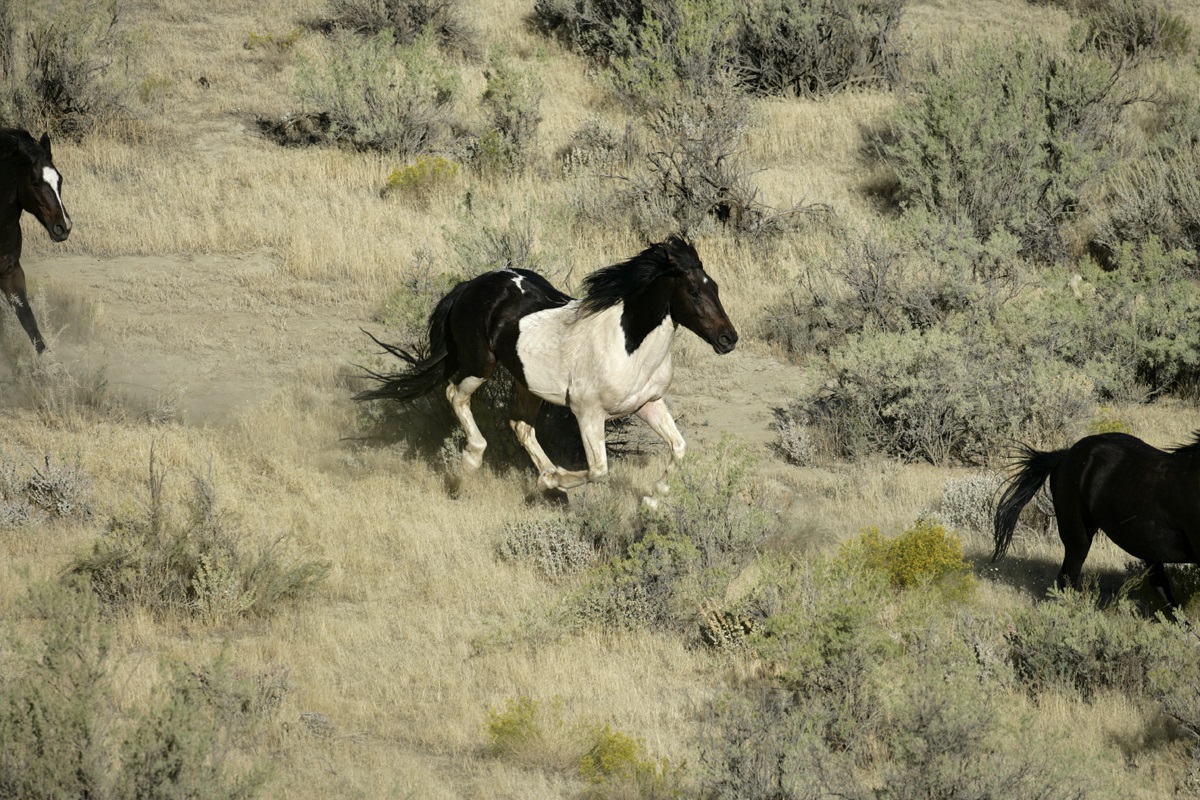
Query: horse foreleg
(12, 284)
(459, 396)
(658, 417)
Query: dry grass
(420, 629)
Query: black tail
(1035, 467)
(423, 375)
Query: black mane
(15, 141)
(1187, 448)
(611, 285)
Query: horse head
(695, 302)
(39, 189)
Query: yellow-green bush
(421, 176)
(923, 554)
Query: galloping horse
(605, 356)
(28, 182)
(1146, 500)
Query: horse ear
(45, 143)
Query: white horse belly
(583, 362)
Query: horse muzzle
(725, 342)
(59, 231)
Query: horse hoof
(650, 503)
(453, 484)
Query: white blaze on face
(54, 180)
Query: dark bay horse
(1146, 500)
(28, 182)
(605, 356)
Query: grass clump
(406, 21)
(59, 65)
(197, 566)
(612, 763)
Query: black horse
(28, 182)
(605, 356)
(1146, 500)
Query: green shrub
(1005, 137)
(683, 554)
(421, 178)
(1071, 644)
(65, 736)
(554, 545)
(656, 48)
(270, 41)
(407, 21)
(616, 765)
(367, 94)
(511, 100)
(813, 48)
(922, 555)
(57, 65)
(952, 392)
(1134, 28)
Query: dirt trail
(181, 330)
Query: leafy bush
(1155, 194)
(1072, 644)
(370, 95)
(943, 394)
(65, 737)
(56, 66)
(923, 554)
(554, 545)
(614, 764)
(803, 47)
(512, 101)
(1134, 28)
(407, 21)
(812, 48)
(421, 178)
(1006, 138)
(147, 558)
(686, 552)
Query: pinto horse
(1146, 500)
(605, 356)
(28, 182)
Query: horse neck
(643, 314)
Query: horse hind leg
(523, 424)
(459, 395)
(1076, 534)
